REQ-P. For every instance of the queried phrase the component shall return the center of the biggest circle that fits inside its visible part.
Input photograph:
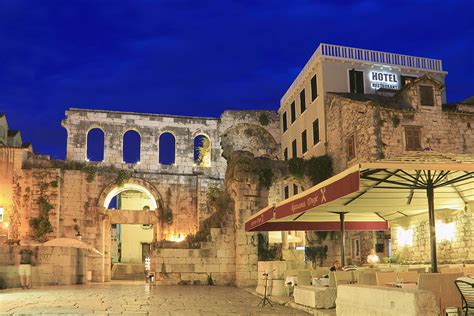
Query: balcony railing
(366, 55)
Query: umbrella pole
(343, 238)
(431, 214)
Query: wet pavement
(135, 298)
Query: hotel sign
(384, 80)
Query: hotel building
(333, 68)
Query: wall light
(405, 236)
(445, 231)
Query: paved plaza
(135, 298)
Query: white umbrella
(71, 242)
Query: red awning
(272, 218)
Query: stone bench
(387, 301)
(315, 296)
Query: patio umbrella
(387, 189)
(71, 242)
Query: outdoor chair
(408, 277)
(465, 287)
(468, 271)
(367, 278)
(419, 270)
(304, 277)
(450, 270)
(319, 272)
(383, 278)
(442, 286)
(343, 277)
(449, 296)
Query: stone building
(334, 68)
(130, 210)
(365, 128)
(357, 105)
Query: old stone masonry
(175, 210)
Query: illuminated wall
(411, 242)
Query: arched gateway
(132, 211)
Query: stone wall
(52, 266)
(243, 131)
(457, 250)
(78, 190)
(379, 128)
(79, 122)
(215, 259)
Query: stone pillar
(284, 240)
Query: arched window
(131, 147)
(202, 151)
(95, 145)
(167, 149)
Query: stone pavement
(135, 298)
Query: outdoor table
(291, 280)
(320, 281)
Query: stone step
(128, 271)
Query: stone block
(378, 300)
(315, 297)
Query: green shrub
(263, 119)
(264, 250)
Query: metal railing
(365, 55)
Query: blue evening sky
(199, 57)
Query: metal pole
(343, 238)
(431, 214)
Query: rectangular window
(406, 80)
(287, 192)
(304, 144)
(283, 119)
(295, 189)
(314, 88)
(285, 153)
(302, 101)
(412, 138)
(426, 95)
(294, 147)
(350, 144)
(293, 112)
(315, 132)
(356, 81)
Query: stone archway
(135, 184)
(129, 228)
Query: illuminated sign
(384, 80)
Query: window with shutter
(302, 101)
(314, 88)
(412, 138)
(286, 193)
(285, 124)
(295, 189)
(350, 144)
(293, 112)
(285, 153)
(304, 144)
(356, 81)
(315, 132)
(294, 148)
(426, 95)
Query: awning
(292, 214)
(370, 194)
